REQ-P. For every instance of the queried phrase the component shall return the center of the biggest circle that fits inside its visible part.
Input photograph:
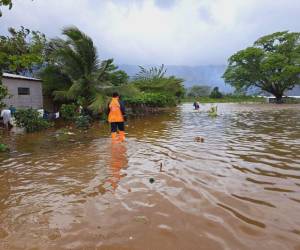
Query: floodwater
(239, 189)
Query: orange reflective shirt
(115, 113)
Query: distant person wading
(196, 105)
(116, 117)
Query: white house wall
(34, 100)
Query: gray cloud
(165, 4)
(180, 32)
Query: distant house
(26, 92)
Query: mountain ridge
(209, 75)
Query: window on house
(23, 91)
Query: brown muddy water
(239, 189)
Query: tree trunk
(279, 99)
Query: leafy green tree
(22, 51)
(8, 3)
(115, 76)
(3, 94)
(272, 64)
(75, 72)
(153, 80)
(119, 77)
(5, 3)
(198, 91)
(215, 93)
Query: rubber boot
(114, 135)
(121, 136)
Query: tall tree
(115, 76)
(154, 80)
(76, 65)
(5, 3)
(272, 64)
(8, 3)
(22, 51)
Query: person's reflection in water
(117, 162)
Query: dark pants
(115, 126)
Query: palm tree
(152, 73)
(77, 60)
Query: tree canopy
(154, 80)
(5, 3)
(75, 72)
(8, 3)
(272, 64)
(22, 50)
(115, 76)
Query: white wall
(34, 100)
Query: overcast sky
(176, 32)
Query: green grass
(227, 99)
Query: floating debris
(54, 234)
(151, 180)
(161, 168)
(142, 219)
(199, 139)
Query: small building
(26, 92)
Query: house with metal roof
(25, 92)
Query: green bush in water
(30, 120)
(82, 122)
(213, 111)
(3, 147)
(151, 100)
(68, 112)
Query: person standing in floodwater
(196, 105)
(116, 117)
(6, 115)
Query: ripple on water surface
(239, 189)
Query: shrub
(82, 122)
(30, 120)
(169, 86)
(151, 100)
(68, 112)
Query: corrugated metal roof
(8, 75)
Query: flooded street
(239, 189)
